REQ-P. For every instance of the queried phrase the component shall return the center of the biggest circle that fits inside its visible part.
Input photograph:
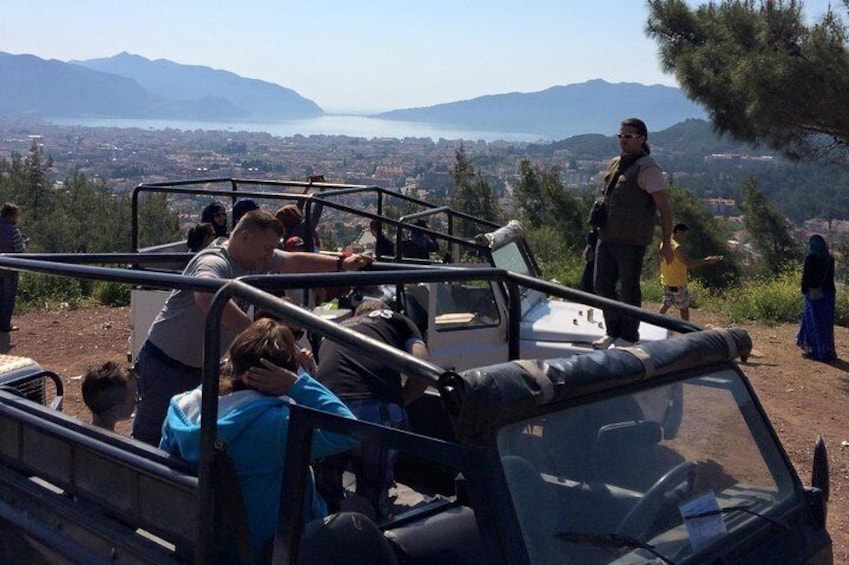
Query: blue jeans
(8, 292)
(616, 262)
(372, 462)
(159, 379)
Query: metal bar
(424, 213)
(107, 258)
(514, 319)
(9, 409)
(408, 274)
(129, 276)
(207, 509)
(391, 356)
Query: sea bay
(328, 124)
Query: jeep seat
(451, 536)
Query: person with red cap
(294, 243)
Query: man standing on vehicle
(374, 392)
(634, 194)
(171, 358)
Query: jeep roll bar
(251, 288)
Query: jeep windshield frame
(594, 479)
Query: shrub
(765, 299)
(111, 293)
(37, 291)
(841, 306)
(651, 290)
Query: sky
(362, 56)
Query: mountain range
(131, 86)
(561, 111)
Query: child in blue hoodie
(255, 424)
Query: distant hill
(255, 99)
(680, 148)
(52, 88)
(55, 89)
(558, 112)
(131, 86)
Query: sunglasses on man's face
(628, 135)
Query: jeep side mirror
(821, 482)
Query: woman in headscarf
(216, 214)
(816, 334)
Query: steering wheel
(637, 523)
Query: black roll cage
(253, 289)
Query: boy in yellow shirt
(673, 276)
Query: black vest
(631, 211)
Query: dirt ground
(804, 399)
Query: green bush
(766, 299)
(111, 293)
(568, 272)
(651, 290)
(841, 306)
(36, 291)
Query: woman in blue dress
(816, 334)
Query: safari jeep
(550, 461)
(548, 452)
(465, 324)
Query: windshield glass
(510, 258)
(598, 481)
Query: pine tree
(544, 201)
(472, 195)
(157, 224)
(761, 73)
(770, 230)
(528, 195)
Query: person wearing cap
(293, 219)
(673, 276)
(635, 192)
(216, 214)
(241, 208)
(294, 243)
(171, 359)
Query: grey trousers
(616, 262)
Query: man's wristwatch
(339, 261)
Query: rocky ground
(804, 399)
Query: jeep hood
(569, 322)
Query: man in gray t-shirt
(171, 358)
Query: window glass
(628, 466)
(511, 258)
(465, 304)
